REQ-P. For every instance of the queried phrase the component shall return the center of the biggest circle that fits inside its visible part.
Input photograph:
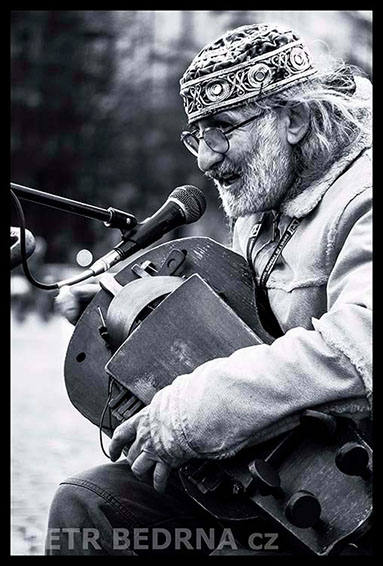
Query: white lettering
(273, 538)
(53, 533)
(71, 532)
(183, 536)
(251, 541)
(121, 539)
(90, 536)
(209, 541)
(155, 544)
(140, 536)
(227, 539)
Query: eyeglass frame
(201, 135)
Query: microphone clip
(120, 219)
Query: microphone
(30, 244)
(184, 205)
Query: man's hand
(72, 301)
(135, 434)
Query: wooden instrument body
(87, 355)
(210, 313)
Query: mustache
(222, 171)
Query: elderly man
(287, 144)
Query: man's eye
(222, 125)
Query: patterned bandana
(250, 62)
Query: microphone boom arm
(111, 217)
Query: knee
(75, 497)
(68, 506)
(70, 521)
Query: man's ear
(297, 124)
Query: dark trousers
(107, 510)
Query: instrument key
(353, 459)
(303, 509)
(266, 478)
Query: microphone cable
(24, 263)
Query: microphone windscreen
(192, 201)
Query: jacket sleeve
(229, 403)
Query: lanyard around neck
(267, 317)
(287, 235)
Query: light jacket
(320, 293)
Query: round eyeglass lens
(191, 143)
(216, 140)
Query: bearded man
(287, 144)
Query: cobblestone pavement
(50, 439)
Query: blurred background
(96, 116)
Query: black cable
(110, 387)
(27, 273)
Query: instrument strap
(268, 319)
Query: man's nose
(208, 158)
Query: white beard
(265, 174)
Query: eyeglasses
(215, 138)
